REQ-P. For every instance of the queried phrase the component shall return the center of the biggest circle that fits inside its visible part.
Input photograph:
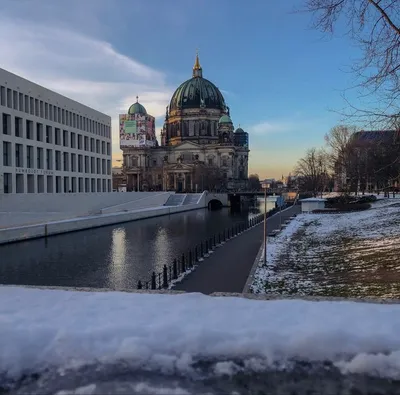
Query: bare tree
(254, 182)
(312, 171)
(375, 26)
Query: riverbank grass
(347, 255)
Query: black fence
(197, 254)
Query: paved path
(227, 269)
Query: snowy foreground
(349, 254)
(62, 331)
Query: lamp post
(264, 185)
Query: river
(115, 256)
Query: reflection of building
(199, 148)
(49, 143)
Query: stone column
(184, 181)
(175, 181)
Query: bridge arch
(215, 204)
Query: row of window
(62, 161)
(50, 184)
(59, 137)
(24, 103)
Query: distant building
(49, 143)
(118, 180)
(365, 141)
(199, 148)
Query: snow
(43, 329)
(351, 254)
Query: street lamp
(264, 186)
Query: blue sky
(280, 77)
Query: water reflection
(113, 256)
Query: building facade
(49, 143)
(199, 148)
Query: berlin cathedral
(199, 150)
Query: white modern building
(49, 143)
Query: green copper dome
(137, 108)
(225, 119)
(239, 130)
(197, 93)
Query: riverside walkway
(228, 268)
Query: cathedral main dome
(197, 92)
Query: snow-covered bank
(349, 254)
(43, 329)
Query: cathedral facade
(199, 150)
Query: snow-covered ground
(59, 331)
(349, 254)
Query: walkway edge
(256, 263)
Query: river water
(114, 256)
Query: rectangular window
(103, 147)
(97, 146)
(73, 186)
(37, 107)
(79, 141)
(108, 149)
(6, 124)
(2, 96)
(21, 102)
(98, 185)
(51, 112)
(109, 185)
(55, 114)
(19, 158)
(39, 158)
(58, 160)
(103, 166)
(98, 168)
(19, 183)
(80, 163)
(66, 185)
(40, 183)
(49, 134)
(18, 127)
(58, 184)
(26, 106)
(92, 145)
(63, 116)
(80, 184)
(87, 185)
(86, 143)
(31, 183)
(65, 161)
(73, 140)
(49, 184)
(29, 130)
(7, 180)
(49, 159)
(39, 132)
(73, 162)
(6, 153)
(41, 109)
(29, 156)
(65, 138)
(58, 136)
(9, 98)
(31, 106)
(108, 167)
(46, 110)
(93, 184)
(92, 165)
(15, 100)
(58, 114)
(86, 164)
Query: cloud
(265, 127)
(83, 68)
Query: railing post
(175, 270)
(183, 264)
(153, 281)
(211, 243)
(219, 238)
(165, 276)
(190, 259)
(139, 285)
(169, 273)
(159, 281)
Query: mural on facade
(137, 130)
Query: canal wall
(45, 229)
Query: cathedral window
(224, 161)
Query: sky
(282, 80)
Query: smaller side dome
(239, 130)
(225, 119)
(137, 108)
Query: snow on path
(49, 328)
